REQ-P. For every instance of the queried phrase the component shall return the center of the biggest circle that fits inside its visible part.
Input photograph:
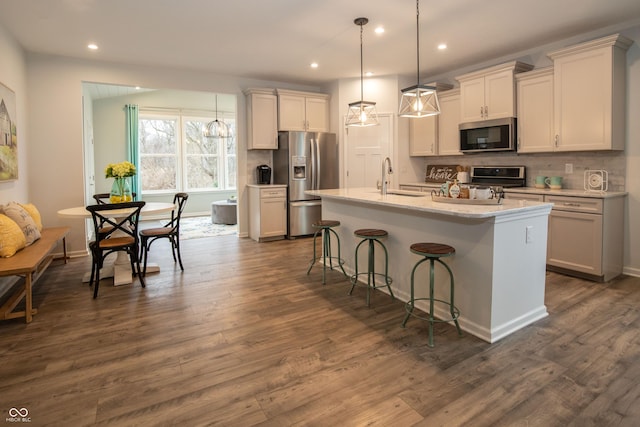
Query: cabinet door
(291, 112)
(317, 114)
(422, 136)
(273, 217)
(263, 121)
(472, 100)
(575, 241)
(499, 95)
(583, 101)
(448, 126)
(535, 113)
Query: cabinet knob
(481, 111)
(556, 139)
(486, 111)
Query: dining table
(120, 270)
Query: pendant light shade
(362, 113)
(419, 100)
(217, 128)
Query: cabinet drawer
(524, 196)
(266, 193)
(576, 204)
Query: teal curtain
(131, 112)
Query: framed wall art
(8, 135)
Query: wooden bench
(30, 263)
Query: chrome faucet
(386, 170)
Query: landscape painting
(8, 135)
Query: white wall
(55, 105)
(13, 76)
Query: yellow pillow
(21, 217)
(35, 214)
(11, 237)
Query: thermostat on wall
(596, 180)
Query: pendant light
(362, 113)
(419, 100)
(217, 128)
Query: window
(175, 156)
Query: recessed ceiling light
(92, 46)
(379, 30)
(442, 46)
(314, 65)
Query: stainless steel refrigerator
(305, 161)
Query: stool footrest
(410, 307)
(354, 280)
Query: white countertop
(543, 191)
(420, 201)
(566, 192)
(267, 185)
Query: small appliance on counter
(264, 175)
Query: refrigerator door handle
(313, 165)
(318, 165)
(306, 203)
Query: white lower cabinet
(585, 234)
(267, 212)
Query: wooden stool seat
(372, 236)
(432, 252)
(366, 233)
(435, 250)
(325, 223)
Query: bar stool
(324, 227)
(372, 236)
(432, 252)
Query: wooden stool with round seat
(372, 236)
(432, 252)
(324, 228)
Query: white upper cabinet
(490, 93)
(432, 136)
(589, 95)
(535, 111)
(303, 111)
(448, 123)
(262, 119)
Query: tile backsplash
(551, 164)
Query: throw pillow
(11, 237)
(17, 213)
(35, 214)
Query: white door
(366, 148)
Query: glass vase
(120, 191)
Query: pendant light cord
(361, 66)
(418, 41)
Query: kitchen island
(500, 259)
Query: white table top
(149, 208)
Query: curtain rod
(182, 110)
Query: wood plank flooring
(245, 338)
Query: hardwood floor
(244, 337)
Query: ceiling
(278, 39)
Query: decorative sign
(443, 173)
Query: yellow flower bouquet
(120, 170)
(121, 189)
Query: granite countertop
(422, 202)
(543, 191)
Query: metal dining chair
(171, 231)
(116, 229)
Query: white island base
(499, 265)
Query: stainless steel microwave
(488, 135)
